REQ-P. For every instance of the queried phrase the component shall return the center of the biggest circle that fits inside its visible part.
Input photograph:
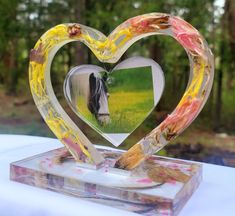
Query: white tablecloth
(214, 197)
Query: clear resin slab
(161, 186)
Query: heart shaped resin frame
(110, 49)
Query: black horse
(98, 98)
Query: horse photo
(87, 85)
(135, 86)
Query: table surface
(215, 195)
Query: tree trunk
(218, 104)
(219, 88)
(80, 54)
(230, 18)
(156, 55)
(155, 52)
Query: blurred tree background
(211, 137)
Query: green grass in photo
(131, 99)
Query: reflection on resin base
(161, 186)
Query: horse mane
(97, 88)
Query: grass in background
(130, 101)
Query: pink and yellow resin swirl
(110, 49)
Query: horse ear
(92, 97)
(92, 82)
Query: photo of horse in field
(89, 87)
(116, 102)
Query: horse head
(98, 98)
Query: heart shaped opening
(116, 102)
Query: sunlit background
(211, 138)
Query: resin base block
(161, 186)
